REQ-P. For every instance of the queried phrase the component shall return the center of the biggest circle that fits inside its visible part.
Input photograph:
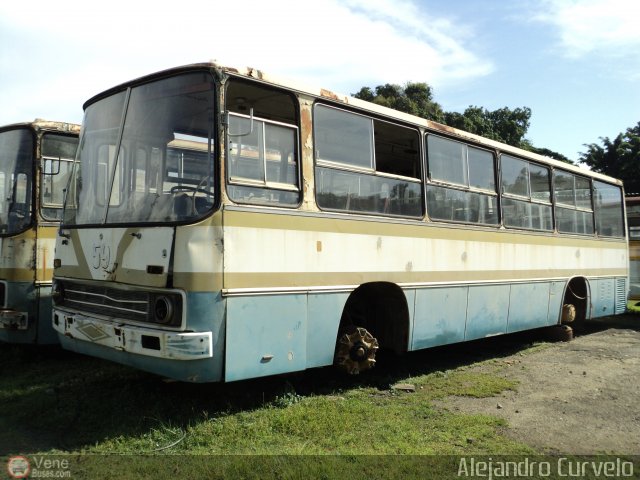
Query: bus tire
(560, 333)
(356, 351)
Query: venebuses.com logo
(20, 466)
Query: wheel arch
(381, 308)
(577, 293)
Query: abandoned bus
(221, 225)
(35, 162)
(633, 219)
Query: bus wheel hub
(356, 351)
(568, 313)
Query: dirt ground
(577, 397)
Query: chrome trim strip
(235, 292)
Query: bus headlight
(163, 309)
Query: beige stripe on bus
(321, 223)
(17, 274)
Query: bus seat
(182, 206)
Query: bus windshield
(163, 132)
(16, 179)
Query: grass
(54, 402)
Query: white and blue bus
(35, 162)
(221, 224)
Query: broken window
(365, 164)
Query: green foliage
(63, 404)
(619, 158)
(413, 98)
(504, 125)
(464, 383)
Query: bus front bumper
(151, 342)
(13, 320)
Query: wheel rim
(356, 351)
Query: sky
(574, 63)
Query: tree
(619, 158)
(473, 120)
(504, 125)
(413, 98)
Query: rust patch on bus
(329, 94)
(442, 128)
(305, 121)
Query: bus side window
(262, 146)
(574, 212)
(526, 194)
(608, 210)
(58, 152)
(20, 202)
(461, 185)
(366, 165)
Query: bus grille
(108, 301)
(621, 295)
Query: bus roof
(347, 100)
(41, 124)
